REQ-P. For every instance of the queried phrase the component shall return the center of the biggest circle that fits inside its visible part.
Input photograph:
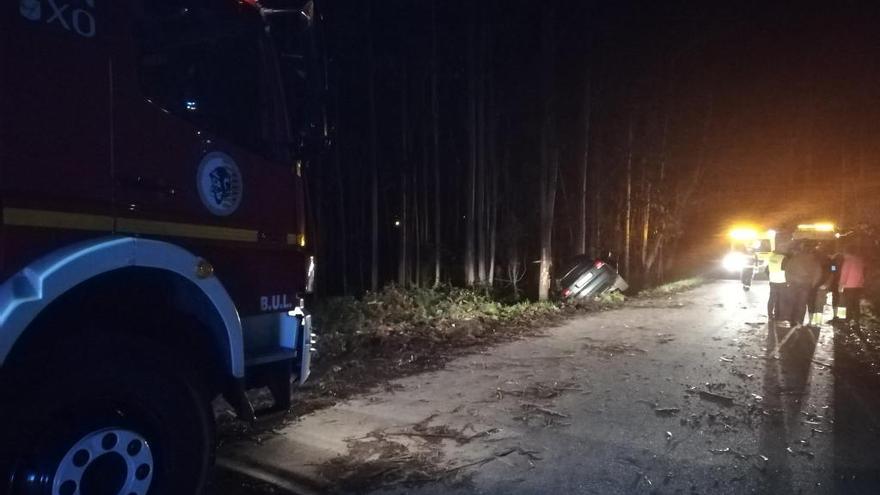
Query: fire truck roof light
(743, 234)
(819, 227)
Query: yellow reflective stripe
(296, 240)
(56, 219)
(152, 227)
(21, 217)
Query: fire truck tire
(115, 415)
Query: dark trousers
(852, 300)
(798, 298)
(774, 303)
(817, 302)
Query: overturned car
(585, 277)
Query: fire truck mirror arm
(26, 294)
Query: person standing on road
(777, 285)
(748, 271)
(834, 286)
(852, 285)
(803, 273)
(820, 292)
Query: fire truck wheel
(116, 415)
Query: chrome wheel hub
(111, 461)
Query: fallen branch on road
(544, 410)
(666, 411)
(458, 436)
(531, 454)
(712, 397)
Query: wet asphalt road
(673, 395)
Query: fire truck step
(270, 355)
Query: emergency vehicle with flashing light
(749, 246)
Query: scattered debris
(812, 416)
(531, 454)
(741, 375)
(801, 453)
(529, 406)
(713, 397)
(666, 411)
(728, 450)
(539, 391)
(443, 432)
(725, 359)
(615, 349)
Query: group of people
(801, 278)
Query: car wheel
(113, 416)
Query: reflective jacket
(774, 267)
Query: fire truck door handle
(149, 185)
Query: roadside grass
(404, 316)
(396, 332)
(673, 287)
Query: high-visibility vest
(774, 266)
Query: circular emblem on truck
(31, 10)
(219, 183)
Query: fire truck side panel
(154, 168)
(55, 146)
(159, 155)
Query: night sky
(724, 111)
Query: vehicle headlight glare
(733, 262)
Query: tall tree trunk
(403, 227)
(343, 219)
(403, 262)
(481, 118)
(435, 134)
(646, 222)
(549, 152)
(627, 229)
(374, 165)
(842, 217)
(492, 165)
(420, 204)
(469, 253)
(493, 222)
(653, 262)
(581, 234)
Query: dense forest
(483, 143)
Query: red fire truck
(153, 250)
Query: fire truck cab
(153, 248)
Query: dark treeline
(483, 143)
